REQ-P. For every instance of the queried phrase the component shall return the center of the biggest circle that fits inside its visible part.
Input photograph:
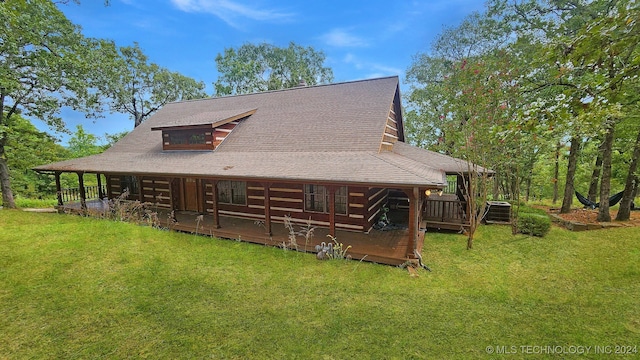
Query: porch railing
(445, 211)
(73, 194)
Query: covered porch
(379, 246)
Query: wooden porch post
(332, 210)
(100, 192)
(109, 188)
(214, 204)
(140, 192)
(414, 214)
(58, 191)
(267, 208)
(171, 202)
(83, 194)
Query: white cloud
(374, 69)
(341, 38)
(231, 11)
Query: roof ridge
(287, 89)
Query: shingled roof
(324, 133)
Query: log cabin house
(330, 155)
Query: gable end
(393, 131)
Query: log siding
(288, 200)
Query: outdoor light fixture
(440, 192)
(427, 192)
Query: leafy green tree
(254, 68)
(591, 55)
(463, 102)
(35, 148)
(113, 138)
(45, 63)
(139, 88)
(82, 143)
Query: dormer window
(194, 133)
(187, 139)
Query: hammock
(614, 199)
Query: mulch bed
(589, 216)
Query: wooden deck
(385, 247)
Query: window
(232, 192)
(192, 139)
(186, 138)
(316, 199)
(341, 200)
(129, 183)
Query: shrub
(525, 209)
(534, 224)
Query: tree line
(531, 87)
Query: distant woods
(544, 92)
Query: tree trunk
(605, 183)
(5, 176)
(5, 182)
(556, 174)
(624, 213)
(137, 120)
(571, 172)
(514, 185)
(595, 176)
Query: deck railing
(73, 194)
(445, 211)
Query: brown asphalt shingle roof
(326, 133)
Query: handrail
(91, 192)
(445, 210)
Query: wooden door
(190, 194)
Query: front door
(190, 194)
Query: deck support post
(332, 210)
(267, 208)
(171, 203)
(83, 194)
(214, 204)
(414, 223)
(59, 191)
(140, 192)
(100, 192)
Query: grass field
(77, 288)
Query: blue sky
(361, 39)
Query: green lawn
(73, 287)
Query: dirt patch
(589, 216)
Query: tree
(254, 68)
(592, 49)
(113, 138)
(463, 101)
(45, 64)
(35, 148)
(83, 143)
(139, 88)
